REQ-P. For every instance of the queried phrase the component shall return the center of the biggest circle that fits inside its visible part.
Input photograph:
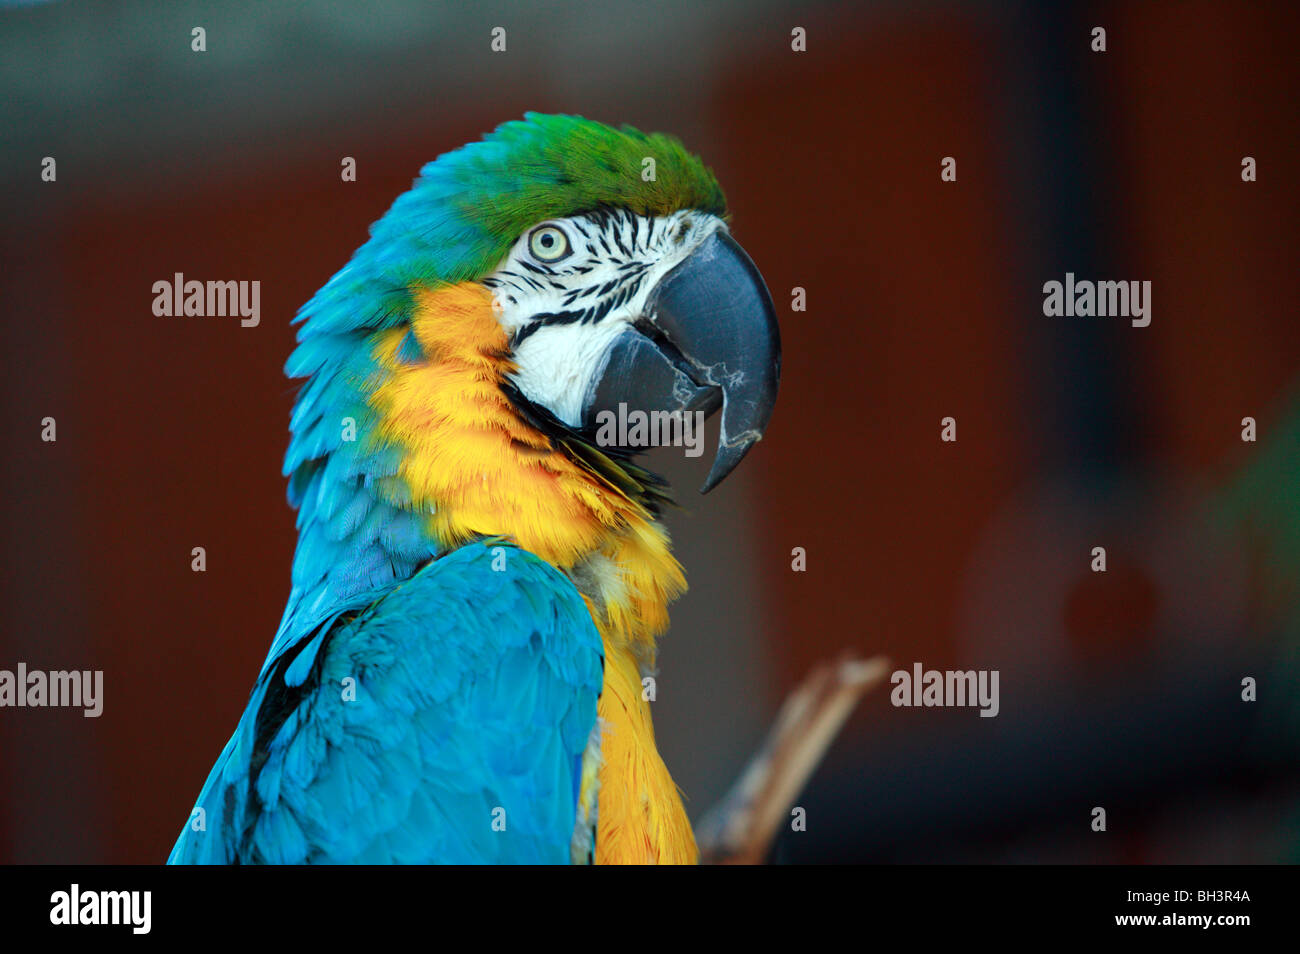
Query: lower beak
(708, 340)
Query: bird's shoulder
(446, 720)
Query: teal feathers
(446, 721)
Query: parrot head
(614, 310)
(459, 365)
(615, 277)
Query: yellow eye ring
(548, 243)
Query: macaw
(480, 578)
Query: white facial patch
(570, 286)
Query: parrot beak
(708, 339)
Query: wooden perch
(740, 828)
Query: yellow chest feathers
(482, 470)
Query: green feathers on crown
(553, 166)
(469, 206)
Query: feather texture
(474, 700)
(410, 464)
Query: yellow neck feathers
(479, 469)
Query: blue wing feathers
(475, 697)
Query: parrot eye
(548, 243)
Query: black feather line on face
(586, 316)
(544, 321)
(618, 240)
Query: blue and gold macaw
(480, 579)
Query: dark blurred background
(924, 300)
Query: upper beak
(708, 339)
